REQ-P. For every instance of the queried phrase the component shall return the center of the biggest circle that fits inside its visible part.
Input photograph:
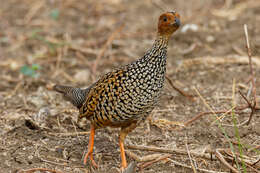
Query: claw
(90, 154)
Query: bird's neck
(158, 53)
(161, 41)
(155, 58)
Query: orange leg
(123, 133)
(122, 152)
(90, 147)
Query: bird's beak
(177, 22)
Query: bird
(124, 97)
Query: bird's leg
(123, 133)
(90, 147)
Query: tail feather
(76, 96)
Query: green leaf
(30, 70)
(27, 71)
(55, 14)
(35, 67)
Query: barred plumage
(130, 92)
(75, 95)
(125, 96)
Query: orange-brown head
(169, 22)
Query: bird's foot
(90, 155)
(123, 166)
(130, 169)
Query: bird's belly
(121, 115)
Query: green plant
(55, 14)
(30, 70)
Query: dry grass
(71, 42)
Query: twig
(54, 163)
(83, 50)
(143, 158)
(106, 45)
(205, 113)
(199, 169)
(17, 87)
(179, 90)
(222, 159)
(254, 148)
(231, 59)
(256, 161)
(171, 151)
(66, 164)
(35, 8)
(238, 110)
(246, 159)
(58, 61)
(159, 5)
(67, 76)
(238, 50)
(252, 74)
(144, 165)
(188, 151)
(69, 134)
(257, 171)
(39, 169)
(189, 49)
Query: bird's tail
(76, 96)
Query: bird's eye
(165, 19)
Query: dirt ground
(74, 42)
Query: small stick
(255, 148)
(143, 158)
(189, 49)
(179, 90)
(246, 160)
(54, 163)
(257, 160)
(145, 165)
(199, 169)
(257, 171)
(158, 6)
(188, 151)
(171, 151)
(222, 159)
(104, 48)
(252, 74)
(39, 169)
(205, 113)
(58, 60)
(238, 109)
(35, 8)
(70, 134)
(252, 107)
(67, 76)
(17, 87)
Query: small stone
(14, 65)
(43, 113)
(210, 39)
(30, 157)
(82, 75)
(190, 27)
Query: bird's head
(169, 22)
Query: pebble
(210, 39)
(82, 76)
(190, 27)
